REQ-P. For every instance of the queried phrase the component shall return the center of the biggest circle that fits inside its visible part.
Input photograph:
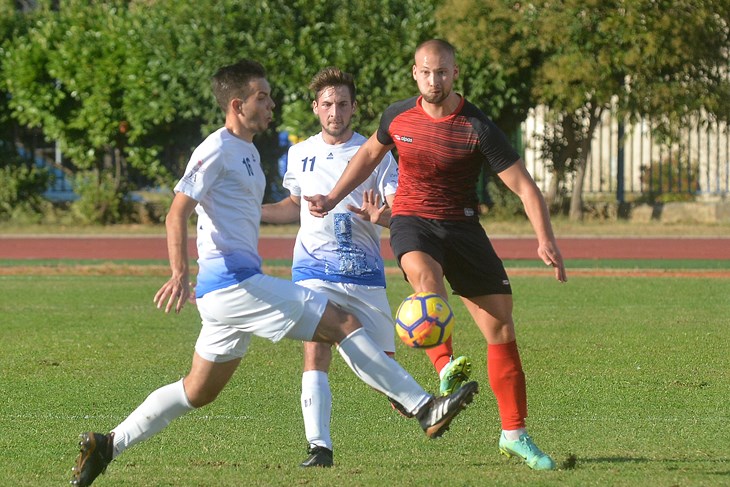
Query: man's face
(435, 72)
(257, 108)
(335, 108)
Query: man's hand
(550, 255)
(319, 205)
(176, 291)
(371, 210)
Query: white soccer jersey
(341, 247)
(225, 176)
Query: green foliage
(507, 205)
(666, 61)
(124, 86)
(21, 187)
(372, 39)
(498, 82)
(100, 199)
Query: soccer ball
(424, 320)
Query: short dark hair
(232, 81)
(331, 76)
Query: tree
(665, 60)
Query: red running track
(154, 247)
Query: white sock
(381, 372)
(513, 435)
(157, 411)
(317, 408)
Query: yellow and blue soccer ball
(424, 320)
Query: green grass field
(628, 375)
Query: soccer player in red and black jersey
(442, 142)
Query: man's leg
(200, 387)
(316, 403)
(493, 315)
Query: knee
(335, 325)
(500, 332)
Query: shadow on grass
(571, 462)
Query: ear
(314, 106)
(413, 71)
(456, 71)
(236, 106)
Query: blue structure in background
(278, 192)
(60, 189)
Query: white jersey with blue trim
(341, 247)
(225, 176)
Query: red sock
(508, 384)
(440, 354)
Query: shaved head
(436, 46)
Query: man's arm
(285, 211)
(362, 164)
(176, 290)
(519, 181)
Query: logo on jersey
(403, 138)
(190, 176)
(246, 161)
(330, 156)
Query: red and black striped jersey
(439, 160)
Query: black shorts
(470, 264)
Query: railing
(695, 166)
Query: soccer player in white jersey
(338, 255)
(224, 184)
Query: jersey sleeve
(390, 113)
(387, 176)
(290, 180)
(202, 170)
(494, 145)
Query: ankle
(513, 435)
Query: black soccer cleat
(400, 408)
(319, 456)
(436, 416)
(96, 453)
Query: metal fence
(697, 166)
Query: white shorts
(261, 305)
(368, 303)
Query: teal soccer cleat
(527, 450)
(455, 373)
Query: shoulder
(307, 144)
(211, 148)
(480, 122)
(399, 107)
(471, 111)
(357, 139)
(214, 141)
